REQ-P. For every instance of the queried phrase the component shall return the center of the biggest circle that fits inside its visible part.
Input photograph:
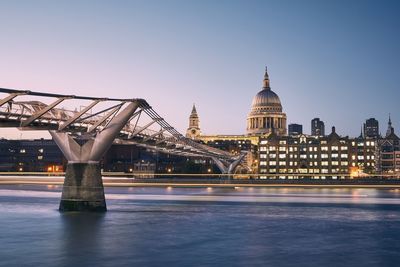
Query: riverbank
(207, 182)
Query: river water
(203, 227)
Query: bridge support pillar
(83, 185)
(83, 188)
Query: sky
(336, 60)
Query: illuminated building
(305, 156)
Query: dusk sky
(336, 60)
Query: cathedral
(265, 117)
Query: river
(147, 226)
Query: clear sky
(337, 60)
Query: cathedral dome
(266, 114)
(266, 98)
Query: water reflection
(81, 238)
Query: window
(324, 163)
(272, 148)
(335, 163)
(22, 151)
(282, 163)
(344, 163)
(282, 148)
(324, 148)
(324, 156)
(334, 148)
(343, 156)
(272, 163)
(282, 142)
(263, 156)
(282, 156)
(272, 156)
(263, 148)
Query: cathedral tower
(194, 125)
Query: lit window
(335, 148)
(282, 163)
(263, 148)
(343, 156)
(282, 156)
(324, 163)
(272, 156)
(282, 148)
(22, 151)
(335, 163)
(272, 148)
(324, 156)
(272, 163)
(324, 148)
(344, 163)
(282, 142)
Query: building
(317, 127)
(38, 155)
(371, 128)
(295, 129)
(363, 159)
(266, 114)
(389, 152)
(193, 130)
(317, 157)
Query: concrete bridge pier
(83, 185)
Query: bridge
(85, 128)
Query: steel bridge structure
(85, 128)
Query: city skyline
(325, 59)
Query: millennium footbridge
(85, 128)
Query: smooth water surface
(203, 227)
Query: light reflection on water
(203, 227)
